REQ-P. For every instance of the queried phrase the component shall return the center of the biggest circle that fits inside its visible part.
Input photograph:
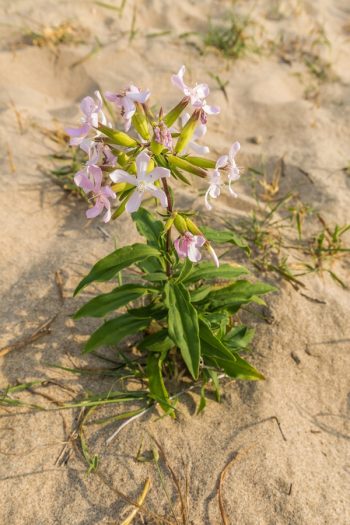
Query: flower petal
(142, 161)
(177, 80)
(96, 210)
(159, 194)
(134, 202)
(221, 162)
(123, 176)
(211, 110)
(157, 173)
(136, 95)
(201, 150)
(194, 254)
(87, 106)
(234, 149)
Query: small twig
(60, 285)
(43, 329)
(140, 501)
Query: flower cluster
(124, 166)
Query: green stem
(168, 235)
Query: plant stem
(168, 235)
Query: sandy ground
(298, 477)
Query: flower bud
(118, 137)
(183, 164)
(140, 122)
(192, 227)
(180, 224)
(174, 113)
(187, 131)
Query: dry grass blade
(149, 514)
(237, 455)
(43, 329)
(140, 501)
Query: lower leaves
(185, 323)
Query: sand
(293, 474)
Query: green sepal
(118, 137)
(183, 164)
(201, 162)
(187, 132)
(140, 122)
(174, 113)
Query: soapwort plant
(182, 309)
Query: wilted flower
(197, 94)
(126, 101)
(199, 132)
(143, 182)
(92, 115)
(188, 246)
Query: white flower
(143, 182)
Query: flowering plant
(183, 309)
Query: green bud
(140, 122)
(156, 148)
(201, 162)
(118, 137)
(187, 131)
(169, 223)
(180, 224)
(192, 227)
(174, 113)
(183, 164)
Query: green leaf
(157, 342)
(186, 268)
(241, 292)
(110, 265)
(112, 332)
(154, 311)
(215, 379)
(209, 272)
(225, 236)
(217, 354)
(202, 401)
(183, 325)
(239, 337)
(148, 227)
(105, 303)
(156, 383)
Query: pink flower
(229, 162)
(143, 182)
(197, 94)
(98, 152)
(90, 180)
(126, 101)
(188, 246)
(92, 115)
